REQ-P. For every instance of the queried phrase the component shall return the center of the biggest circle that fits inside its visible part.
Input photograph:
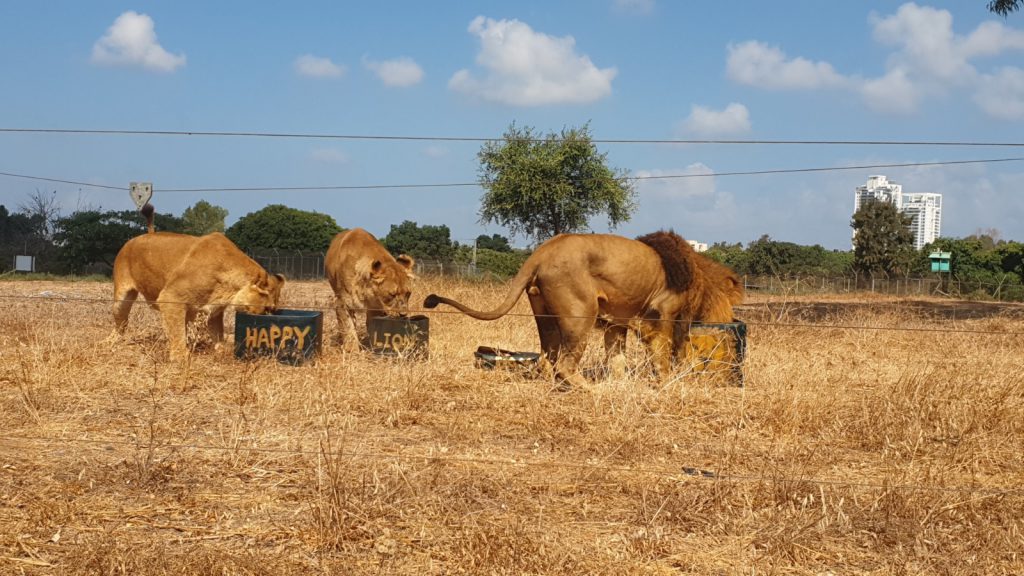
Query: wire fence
(310, 266)
(942, 286)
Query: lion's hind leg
(547, 328)
(124, 298)
(574, 324)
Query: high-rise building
(924, 208)
(878, 188)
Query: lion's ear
(407, 262)
(280, 278)
(377, 271)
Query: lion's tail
(147, 210)
(519, 283)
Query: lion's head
(262, 296)
(389, 284)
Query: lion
(182, 275)
(577, 281)
(366, 277)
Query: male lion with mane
(182, 275)
(577, 281)
(365, 278)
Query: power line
(249, 134)
(74, 182)
(473, 184)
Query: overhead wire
(309, 135)
(475, 184)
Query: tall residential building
(924, 208)
(878, 188)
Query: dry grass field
(892, 444)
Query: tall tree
(203, 218)
(283, 228)
(543, 186)
(883, 242)
(425, 242)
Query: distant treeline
(979, 258)
(87, 241)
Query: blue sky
(634, 69)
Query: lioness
(185, 274)
(365, 277)
(575, 281)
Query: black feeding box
(292, 336)
(490, 358)
(403, 337)
(717, 348)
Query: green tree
(1004, 7)
(883, 242)
(425, 242)
(732, 255)
(495, 242)
(91, 237)
(543, 186)
(283, 228)
(203, 218)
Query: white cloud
(526, 68)
(928, 45)
(637, 6)
(131, 41)
(317, 67)
(893, 93)
(653, 182)
(398, 72)
(929, 59)
(329, 156)
(758, 64)
(734, 119)
(1002, 95)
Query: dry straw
(849, 451)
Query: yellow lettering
(286, 336)
(300, 333)
(250, 337)
(398, 342)
(263, 339)
(275, 333)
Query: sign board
(292, 336)
(141, 193)
(402, 337)
(24, 263)
(717, 349)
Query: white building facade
(924, 208)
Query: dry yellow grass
(849, 451)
